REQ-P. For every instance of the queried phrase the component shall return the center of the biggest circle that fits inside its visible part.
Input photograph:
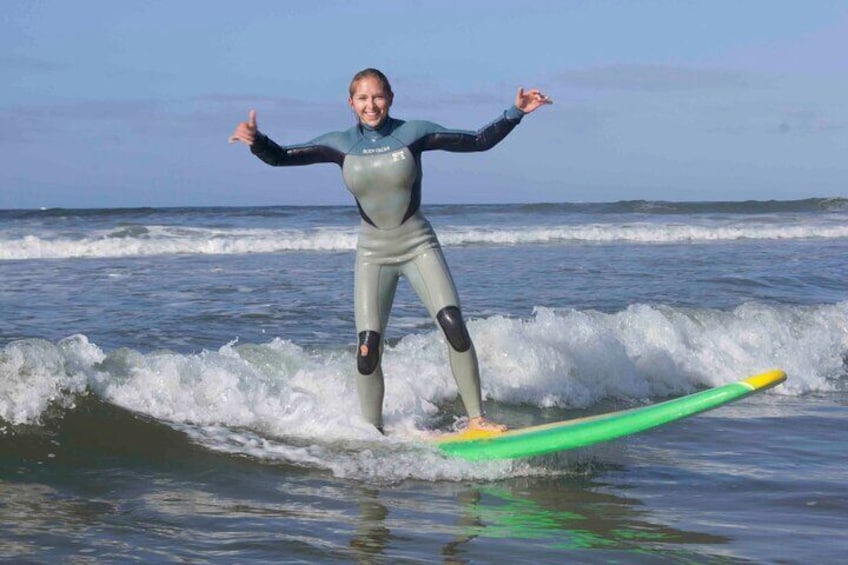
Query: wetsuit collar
(383, 129)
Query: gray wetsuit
(382, 168)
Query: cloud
(194, 117)
(31, 122)
(772, 118)
(805, 120)
(27, 64)
(709, 100)
(655, 78)
(306, 114)
(85, 110)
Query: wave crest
(281, 403)
(161, 240)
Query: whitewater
(130, 233)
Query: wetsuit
(382, 168)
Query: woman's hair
(371, 73)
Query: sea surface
(176, 385)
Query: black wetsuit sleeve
(306, 154)
(467, 141)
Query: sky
(128, 104)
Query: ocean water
(176, 386)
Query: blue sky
(109, 104)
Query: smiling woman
(371, 96)
(380, 159)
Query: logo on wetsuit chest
(396, 156)
(376, 150)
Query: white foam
(280, 402)
(649, 233)
(36, 374)
(161, 240)
(167, 240)
(278, 389)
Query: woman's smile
(370, 102)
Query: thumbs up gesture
(246, 131)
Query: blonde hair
(371, 73)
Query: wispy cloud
(24, 64)
(801, 120)
(30, 122)
(194, 117)
(655, 78)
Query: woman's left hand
(531, 100)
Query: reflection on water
(572, 515)
(557, 517)
(244, 511)
(117, 488)
(371, 536)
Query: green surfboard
(582, 432)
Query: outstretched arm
(489, 135)
(278, 156)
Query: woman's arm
(273, 154)
(489, 135)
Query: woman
(380, 158)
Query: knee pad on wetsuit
(450, 318)
(368, 354)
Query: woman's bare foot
(480, 423)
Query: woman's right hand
(246, 131)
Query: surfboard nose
(765, 380)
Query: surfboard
(583, 432)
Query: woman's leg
(374, 291)
(430, 277)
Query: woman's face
(370, 102)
